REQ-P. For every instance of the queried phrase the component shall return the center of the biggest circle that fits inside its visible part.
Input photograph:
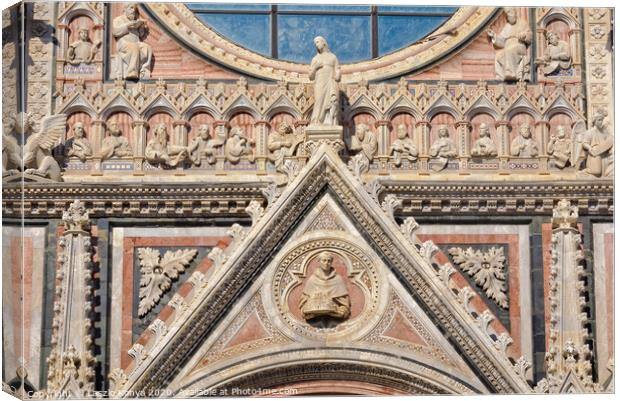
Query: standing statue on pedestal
(595, 147)
(512, 59)
(325, 72)
(79, 146)
(82, 50)
(524, 145)
(134, 56)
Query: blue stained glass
(249, 31)
(396, 32)
(348, 37)
(413, 9)
(224, 6)
(319, 7)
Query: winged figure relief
(38, 159)
(11, 151)
(487, 270)
(158, 272)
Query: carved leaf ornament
(487, 270)
(157, 274)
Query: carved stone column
(97, 133)
(423, 132)
(463, 134)
(180, 128)
(383, 137)
(568, 359)
(139, 143)
(70, 364)
(220, 157)
(503, 134)
(261, 152)
(542, 132)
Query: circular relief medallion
(327, 288)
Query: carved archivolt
(192, 32)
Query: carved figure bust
(79, 146)
(403, 146)
(325, 293)
(596, 147)
(283, 143)
(484, 146)
(557, 55)
(82, 50)
(115, 144)
(238, 145)
(524, 145)
(560, 148)
(134, 56)
(512, 57)
(325, 72)
(159, 151)
(202, 145)
(443, 146)
(364, 142)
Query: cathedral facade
(208, 200)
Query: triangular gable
(325, 172)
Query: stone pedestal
(316, 135)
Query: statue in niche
(512, 58)
(557, 55)
(443, 149)
(115, 144)
(484, 145)
(325, 72)
(283, 143)
(325, 294)
(560, 148)
(403, 147)
(79, 146)
(160, 151)
(11, 151)
(595, 148)
(134, 56)
(82, 50)
(364, 142)
(202, 145)
(524, 145)
(238, 145)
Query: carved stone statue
(524, 145)
(79, 146)
(82, 50)
(403, 146)
(38, 159)
(202, 145)
(325, 293)
(325, 72)
(557, 55)
(115, 144)
(443, 149)
(512, 58)
(238, 145)
(484, 146)
(11, 151)
(283, 143)
(596, 147)
(159, 151)
(560, 148)
(134, 56)
(364, 142)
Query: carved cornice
(186, 27)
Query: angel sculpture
(38, 159)
(158, 272)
